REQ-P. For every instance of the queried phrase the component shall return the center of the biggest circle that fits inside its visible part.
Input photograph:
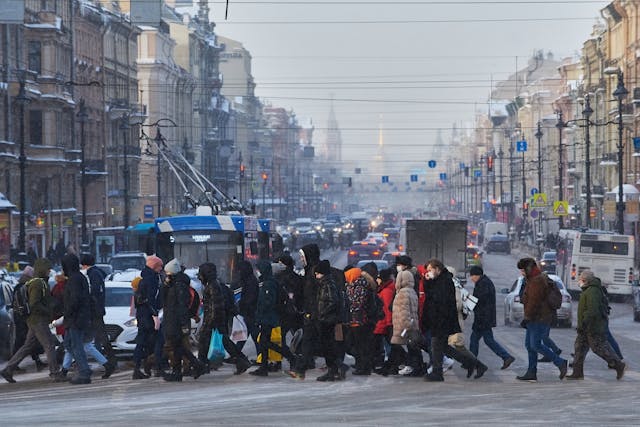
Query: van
(491, 228)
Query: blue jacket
(267, 312)
(148, 299)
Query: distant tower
(334, 139)
(379, 158)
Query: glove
(523, 324)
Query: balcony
(609, 159)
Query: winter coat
(405, 307)
(310, 286)
(96, 282)
(420, 290)
(484, 316)
(293, 284)
(592, 309)
(534, 299)
(457, 339)
(57, 293)
(440, 315)
(249, 285)
(267, 311)
(40, 301)
(213, 299)
(148, 298)
(386, 293)
(360, 297)
(77, 301)
(328, 311)
(175, 295)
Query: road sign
(521, 146)
(443, 176)
(414, 178)
(148, 211)
(534, 213)
(477, 173)
(561, 208)
(462, 165)
(539, 200)
(534, 191)
(385, 179)
(432, 164)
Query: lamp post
(620, 93)
(538, 136)
(264, 191)
(510, 182)
(500, 156)
(560, 125)
(82, 118)
(586, 113)
(124, 126)
(159, 170)
(22, 100)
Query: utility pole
(82, 118)
(560, 125)
(124, 126)
(586, 113)
(22, 99)
(159, 169)
(620, 93)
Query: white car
(514, 309)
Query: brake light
(376, 253)
(401, 247)
(352, 252)
(475, 256)
(573, 272)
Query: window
(34, 59)
(603, 247)
(35, 127)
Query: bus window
(603, 247)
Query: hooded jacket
(405, 307)
(592, 309)
(175, 295)
(484, 316)
(213, 299)
(328, 310)
(249, 285)
(440, 314)
(310, 288)
(386, 293)
(293, 283)
(96, 282)
(148, 298)
(77, 301)
(360, 293)
(534, 298)
(40, 300)
(267, 311)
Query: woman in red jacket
(384, 328)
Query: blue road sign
(148, 211)
(385, 179)
(534, 191)
(636, 143)
(462, 165)
(414, 178)
(443, 176)
(432, 164)
(477, 173)
(521, 146)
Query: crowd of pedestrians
(408, 320)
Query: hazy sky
(414, 66)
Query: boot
(528, 376)
(8, 376)
(61, 376)
(40, 365)
(138, 374)
(109, 368)
(262, 371)
(563, 369)
(481, 368)
(329, 376)
(174, 376)
(620, 367)
(577, 373)
(198, 370)
(80, 380)
(242, 364)
(434, 377)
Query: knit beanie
(153, 262)
(323, 267)
(173, 267)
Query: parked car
(498, 243)
(7, 327)
(125, 260)
(381, 264)
(514, 309)
(363, 250)
(474, 256)
(390, 257)
(105, 268)
(548, 262)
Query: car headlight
(131, 323)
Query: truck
(444, 239)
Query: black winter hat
(404, 260)
(371, 268)
(476, 271)
(385, 274)
(323, 267)
(286, 260)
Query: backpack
(194, 302)
(375, 308)
(554, 297)
(21, 301)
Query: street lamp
(82, 118)
(124, 126)
(159, 142)
(264, 191)
(22, 100)
(538, 136)
(586, 113)
(560, 125)
(500, 156)
(620, 93)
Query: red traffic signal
(490, 164)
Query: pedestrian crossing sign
(539, 200)
(561, 208)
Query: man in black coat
(77, 316)
(248, 304)
(484, 318)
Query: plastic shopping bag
(276, 338)
(216, 348)
(239, 331)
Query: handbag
(239, 331)
(216, 348)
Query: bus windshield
(603, 247)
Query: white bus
(610, 257)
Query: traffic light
(490, 164)
(265, 176)
(525, 208)
(242, 167)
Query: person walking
(328, 315)
(538, 316)
(383, 330)
(592, 327)
(248, 304)
(484, 319)
(361, 291)
(41, 304)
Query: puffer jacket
(440, 315)
(360, 296)
(386, 293)
(534, 298)
(77, 301)
(148, 298)
(484, 316)
(175, 295)
(405, 307)
(40, 299)
(328, 311)
(249, 296)
(592, 309)
(213, 299)
(267, 311)
(310, 287)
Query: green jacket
(40, 301)
(592, 309)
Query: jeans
(613, 343)
(90, 349)
(74, 344)
(487, 336)
(535, 343)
